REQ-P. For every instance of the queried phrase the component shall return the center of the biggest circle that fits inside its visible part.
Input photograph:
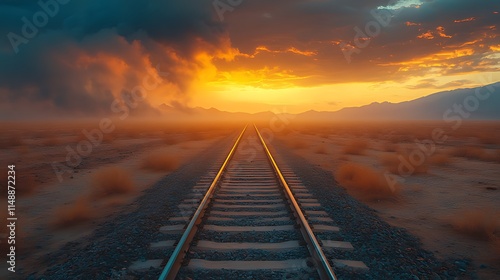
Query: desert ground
(70, 177)
(449, 197)
(444, 190)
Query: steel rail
(174, 263)
(322, 265)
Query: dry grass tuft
(74, 214)
(321, 149)
(365, 182)
(479, 223)
(111, 181)
(355, 147)
(160, 162)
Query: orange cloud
(441, 32)
(464, 20)
(427, 35)
(293, 50)
(304, 53)
(409, 23)
(442, 59)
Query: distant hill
(178, 111)
(429, 107)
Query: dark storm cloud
(56, 66)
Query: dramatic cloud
(452, 36)
(84, 55)
(91, 52)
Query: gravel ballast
(389, 252)
(124, 238)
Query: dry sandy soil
(53, 211)
(451, 200)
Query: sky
(87, 58)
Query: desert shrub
(111, 181)
(71, 215)
(479, 223)
(365, 182)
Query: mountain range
(481, 103)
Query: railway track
(251, 220)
